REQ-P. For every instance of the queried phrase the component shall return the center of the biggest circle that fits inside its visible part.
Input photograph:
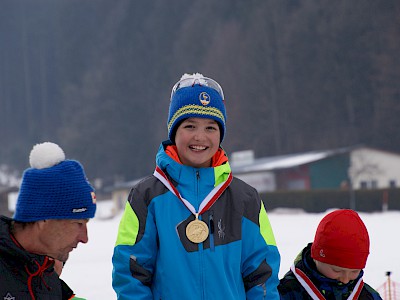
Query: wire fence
(389, 290)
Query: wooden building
(361, 167)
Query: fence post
(385, 201)
(389, 284)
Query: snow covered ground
(88, 271)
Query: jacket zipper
(211, 226)
(201, 258)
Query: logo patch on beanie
(321, 253)
(204, 98)
(79, 210)
(93, 197)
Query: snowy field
(88, 271)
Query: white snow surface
(88, 270)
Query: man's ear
(40, 224)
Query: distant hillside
(95, 76)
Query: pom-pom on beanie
(196, 99)
(342, 240)
(54, 188)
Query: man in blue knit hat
(54, 204)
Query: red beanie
(341, 240)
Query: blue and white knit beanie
(195, 99)
(54, 188)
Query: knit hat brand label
(79, 210)
(204, 98)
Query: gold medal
(197, 231)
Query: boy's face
(343, 275)
(197, 140)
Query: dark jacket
(25, 275)
(290, 288)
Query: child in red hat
(332, 266)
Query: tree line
(95, 77)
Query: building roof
(123, 185)
(285, 161)
(8, 189)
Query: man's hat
(54, 188)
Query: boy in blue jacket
(192, 230)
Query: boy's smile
(197, 140)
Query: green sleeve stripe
(128, 227)
(221, 173)
(265, 227)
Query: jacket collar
(178, 172)
(305, 262)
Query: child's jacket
(154, 259)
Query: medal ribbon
(206, 203)
(313, 291)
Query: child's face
(343, 275)
(197, 140)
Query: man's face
(60, 237)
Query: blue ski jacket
(154, 259)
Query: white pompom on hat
(46, 155)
